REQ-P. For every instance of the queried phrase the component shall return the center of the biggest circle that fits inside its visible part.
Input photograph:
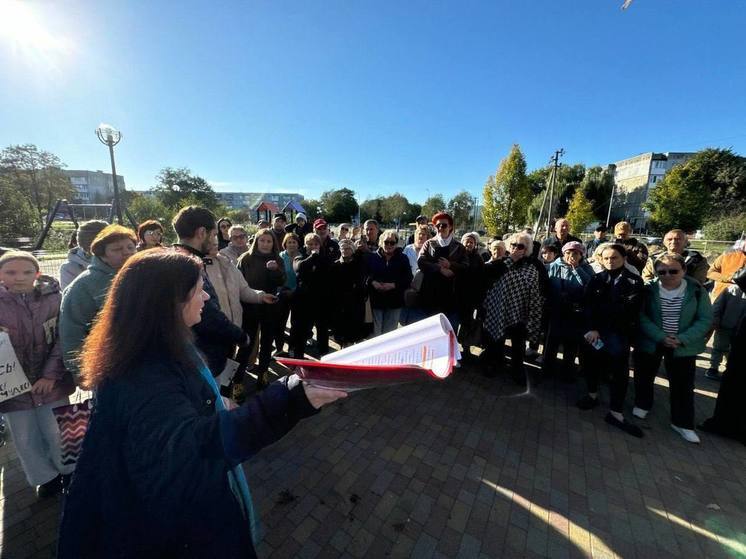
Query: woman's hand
(269, 299)
(447, 273)
(444, 263)
(592, 336)
(272, 265)
(671, 342)
(43, 386)
(319, 397)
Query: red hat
(321, 222)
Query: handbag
(73, 422)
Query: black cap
(602, 229)
(282, 215)
(422, 218)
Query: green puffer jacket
(694, 322)
(81, 301)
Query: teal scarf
(236, 475)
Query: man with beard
(215, 335)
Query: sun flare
(22, 29)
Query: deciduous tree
(338, 205)
(507, 195)
(461, 208)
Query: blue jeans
(385, 320)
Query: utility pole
(553, 183)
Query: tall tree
(176, 186)
(433, 205)
(372, 209)
(313, 209)
(580, 213)
(597, 185)
(339, 205)
(395, 208)
(37, 176)
(710, 185)
(507, 196)
(18, 218)
(461, 208)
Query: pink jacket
(31, 320)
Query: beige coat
(231, 288)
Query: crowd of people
(222, 296)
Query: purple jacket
(31, 320)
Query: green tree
(18, 218)
(675, 204)
(580, 213)
(507, 195)
(338, 205)
(372, 209)
(145, 206)
(176, 186)
(36, 175)
(726, 228)
(597, 185)
(395, 208)
(461, 208)
(433, 205)
(313, 209)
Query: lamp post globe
(110, 136)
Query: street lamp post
(110, 136)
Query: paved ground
(470, 467)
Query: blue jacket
(566, 293)
(151, 481)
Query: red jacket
(31, 320)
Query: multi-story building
(94, 187)
(635, 178)
(249, 200)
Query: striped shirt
(671, 302)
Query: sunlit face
(371, 231)
(389, 244)
(312, 245)
(548, 256)
(322, 231)
(611, 259)
(670, 274)
(279, 224)
(675, 242)
(572, 257)
(497, 251)
(291, 245)
(18, 276)
(517, 248)
(153, 237)
(470, 244)
(224, 227)
(210, 240)
(265, 243)
(444, 228)
(562, 228)
(117, 253)
(346, 249)
(239, 239)
(192, 310)
(421, 237)
(344, 233)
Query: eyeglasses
(441, 226)
(519, 246)
(153, 233)
(389, 243)
(667, 271)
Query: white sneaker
(687, 434)
(640, 413)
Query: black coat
(438, 293)
(215, 335)
(151, 481)
(396, 270)
(613, 306)
(350, 292)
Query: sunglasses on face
(389, 243)
(519, 246)
(665, 271)
(441, 226)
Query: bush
(726, 228)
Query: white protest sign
(13, 380)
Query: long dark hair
(142, 316)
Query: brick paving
(470, 467)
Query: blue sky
(416, 97)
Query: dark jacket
(438, 293)
(470, 284)
(566, 296)
(396, 271)
(558, 244)
(215, 335)
(350, 292)
(151, 481)
(31, 320)
(312, 273)
(612, 305)
(300, 231)
(254, 269)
